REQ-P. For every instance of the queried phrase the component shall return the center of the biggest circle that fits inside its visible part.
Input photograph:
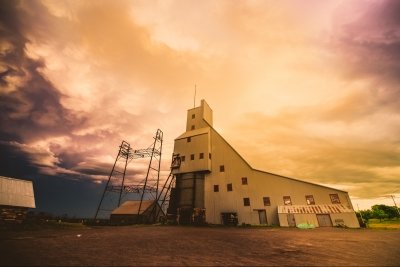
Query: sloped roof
(245, 161)
(132, 206)
(324, 208)
(16, 192)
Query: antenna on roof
(194, 100)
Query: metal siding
(323, 208)
(260, 184)
(15, 192)
(349, 219)
(199, 144)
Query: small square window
(193, 127)
(209, 155)
(287, 200)
(189, 139)
(229, 187)
(201, 156)
(335, 198)
(267, 201)
(193, 116)
(246, 201)
(192, 157)
(216, 188)
(244, 180)
(183, 158)
(310, 200)
(221, 168)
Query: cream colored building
(213, 180)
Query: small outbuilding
(16, 197)
(323, 215)
(128, 212)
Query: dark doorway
(229, 218)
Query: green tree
(366, 214)
(391, 211)
(378, 212)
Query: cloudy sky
(305, 88)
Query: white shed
(318, 215)
(16, 197)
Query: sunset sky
(304, 88)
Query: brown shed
(127, 213)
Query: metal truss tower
(153, 171)
(116, 188)
(166, 194)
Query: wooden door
(291, 220)
(262, 215)
(324, 220)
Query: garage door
(324, 220)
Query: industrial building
(16, 197)
(215, 183)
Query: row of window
(286, 199)
(246, 201)
(201, 156)
(229, 186)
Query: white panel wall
(14, 192)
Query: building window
(193, 127)
(221, 168)
(267, 201)
(244, 180)
(216, 188)
(201, 156)
(246, 201)
(193, 116)
(189, 139)
(183, 158)
(229, 187)
(310, 200)
(192, 157)
(209, 155)
(335, 198)
(287, 200)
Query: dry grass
(384, 224)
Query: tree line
(380, 212)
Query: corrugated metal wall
(15, 192)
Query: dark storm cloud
(15, 163)
(371, 43)
(367, 53)
(34, 111)
(30, 105)
(31, 111)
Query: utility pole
(398, 211)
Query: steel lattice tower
(112, 193)
(116, 189)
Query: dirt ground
(174, 245)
